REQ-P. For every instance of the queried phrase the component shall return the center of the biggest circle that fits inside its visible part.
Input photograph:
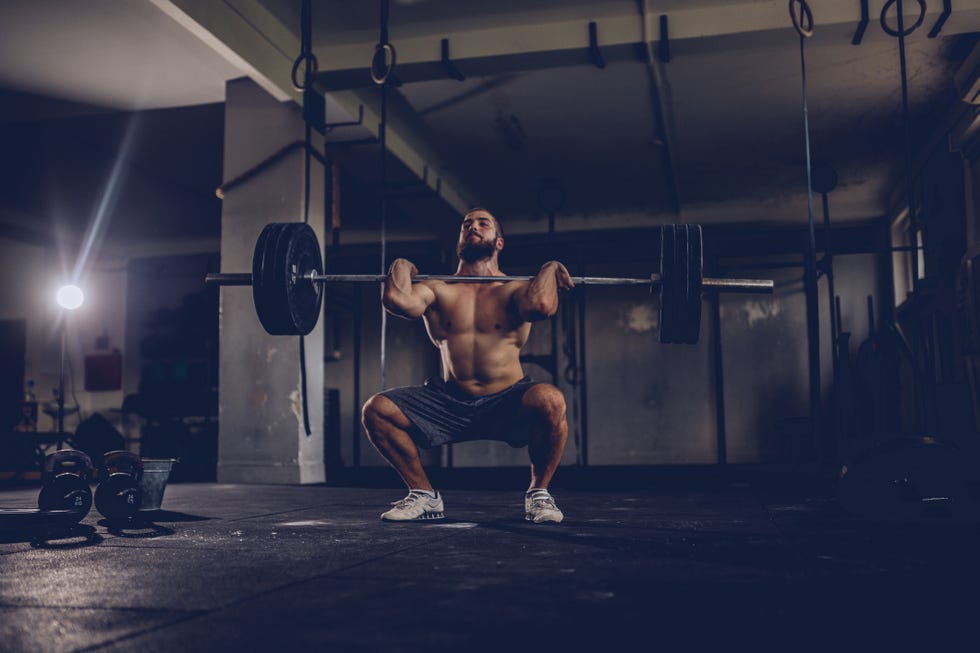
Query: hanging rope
(382, 66)
(919, 408)
(804, 27)
(803, 24)
(901, 33)
(306, 57)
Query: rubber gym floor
(663, 564)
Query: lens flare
(70, 297)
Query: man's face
(477, 237)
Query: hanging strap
(803, 23)
(382, 66)
(804, 27)
(901, 33)
(306, 56)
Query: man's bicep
(424, 294)
(519, 299)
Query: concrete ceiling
(715, 133)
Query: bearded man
(483, 392)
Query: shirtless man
(483, 393)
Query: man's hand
(562, 278)
(400, 268)
(538, 300)
(401, 297)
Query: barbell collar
(752, 286)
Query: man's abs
(481, 364)
(479, 335)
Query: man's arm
(538, 300)
(402, 297)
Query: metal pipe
(760, 286)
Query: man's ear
(500, 243)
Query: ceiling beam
(249, 35)
(541, 44)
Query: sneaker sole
(528, 517)
(426, 516)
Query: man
(479, 330)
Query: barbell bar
(287, 280)
(759, 286)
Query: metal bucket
(156, 472)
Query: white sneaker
(539, 507)
(418, 505)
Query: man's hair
(496, 222)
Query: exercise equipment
(65, 496)
(287, 280)
(118, 497)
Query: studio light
(70, 297)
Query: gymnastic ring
(894, 32)
(307, 80)
(804, 24)
(381, 69)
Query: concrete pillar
(261, 438)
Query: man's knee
(547, 401)
(379, 412)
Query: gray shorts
(442, 413)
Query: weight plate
(682, 307)
(695, 277)
(279, 281)
(286, 303)
(261, 296)
(269, 299)
(668, 283)
(300, 255)
(22, 520)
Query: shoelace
(411, 498)
(543, 501)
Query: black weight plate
(31, 519)
(695, 276)
(682, 307)
(281, 325)
(269, 298)
(297, 256)
(260, 295)
(118, 497)
(66, 492)
(668, 283)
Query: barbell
(287, 280)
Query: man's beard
(471, 252)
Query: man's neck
(484, 267)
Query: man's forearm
(399, 297)
(541, 299)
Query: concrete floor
(256, 568)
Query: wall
(647, 403)
(29, 293)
